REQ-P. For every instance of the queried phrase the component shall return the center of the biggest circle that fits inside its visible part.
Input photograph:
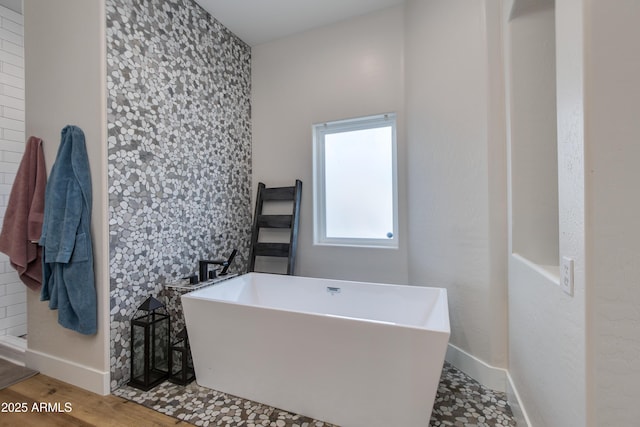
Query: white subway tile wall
(13, 296)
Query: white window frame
(320, 130)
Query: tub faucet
(203, 266)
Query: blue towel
(68, 281)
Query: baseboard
(519, 413)
(70, 372)
(13, 349)
(487, 375)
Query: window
(355, 189)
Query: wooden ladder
(262, 221)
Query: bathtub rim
(441, 302)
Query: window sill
(356, 245)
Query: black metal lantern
(182, 371)
(149, 345)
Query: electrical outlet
(566, 275)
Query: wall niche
(533, 126)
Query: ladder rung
(272, 249)
(275, 221)
(278, 193)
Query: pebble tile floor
(460, 401)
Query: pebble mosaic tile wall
(179, 152)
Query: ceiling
(261, 21)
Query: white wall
(350, 69)
(444, 59)
(612, 153)
(13, 293)
(456, 167)
(546, 326)
(65, 64)
(440, 57)
(574, 360)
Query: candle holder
(149, 345)
(181, 359)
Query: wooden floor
(49, 402)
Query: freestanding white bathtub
(349, 353)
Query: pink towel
(25, 212)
